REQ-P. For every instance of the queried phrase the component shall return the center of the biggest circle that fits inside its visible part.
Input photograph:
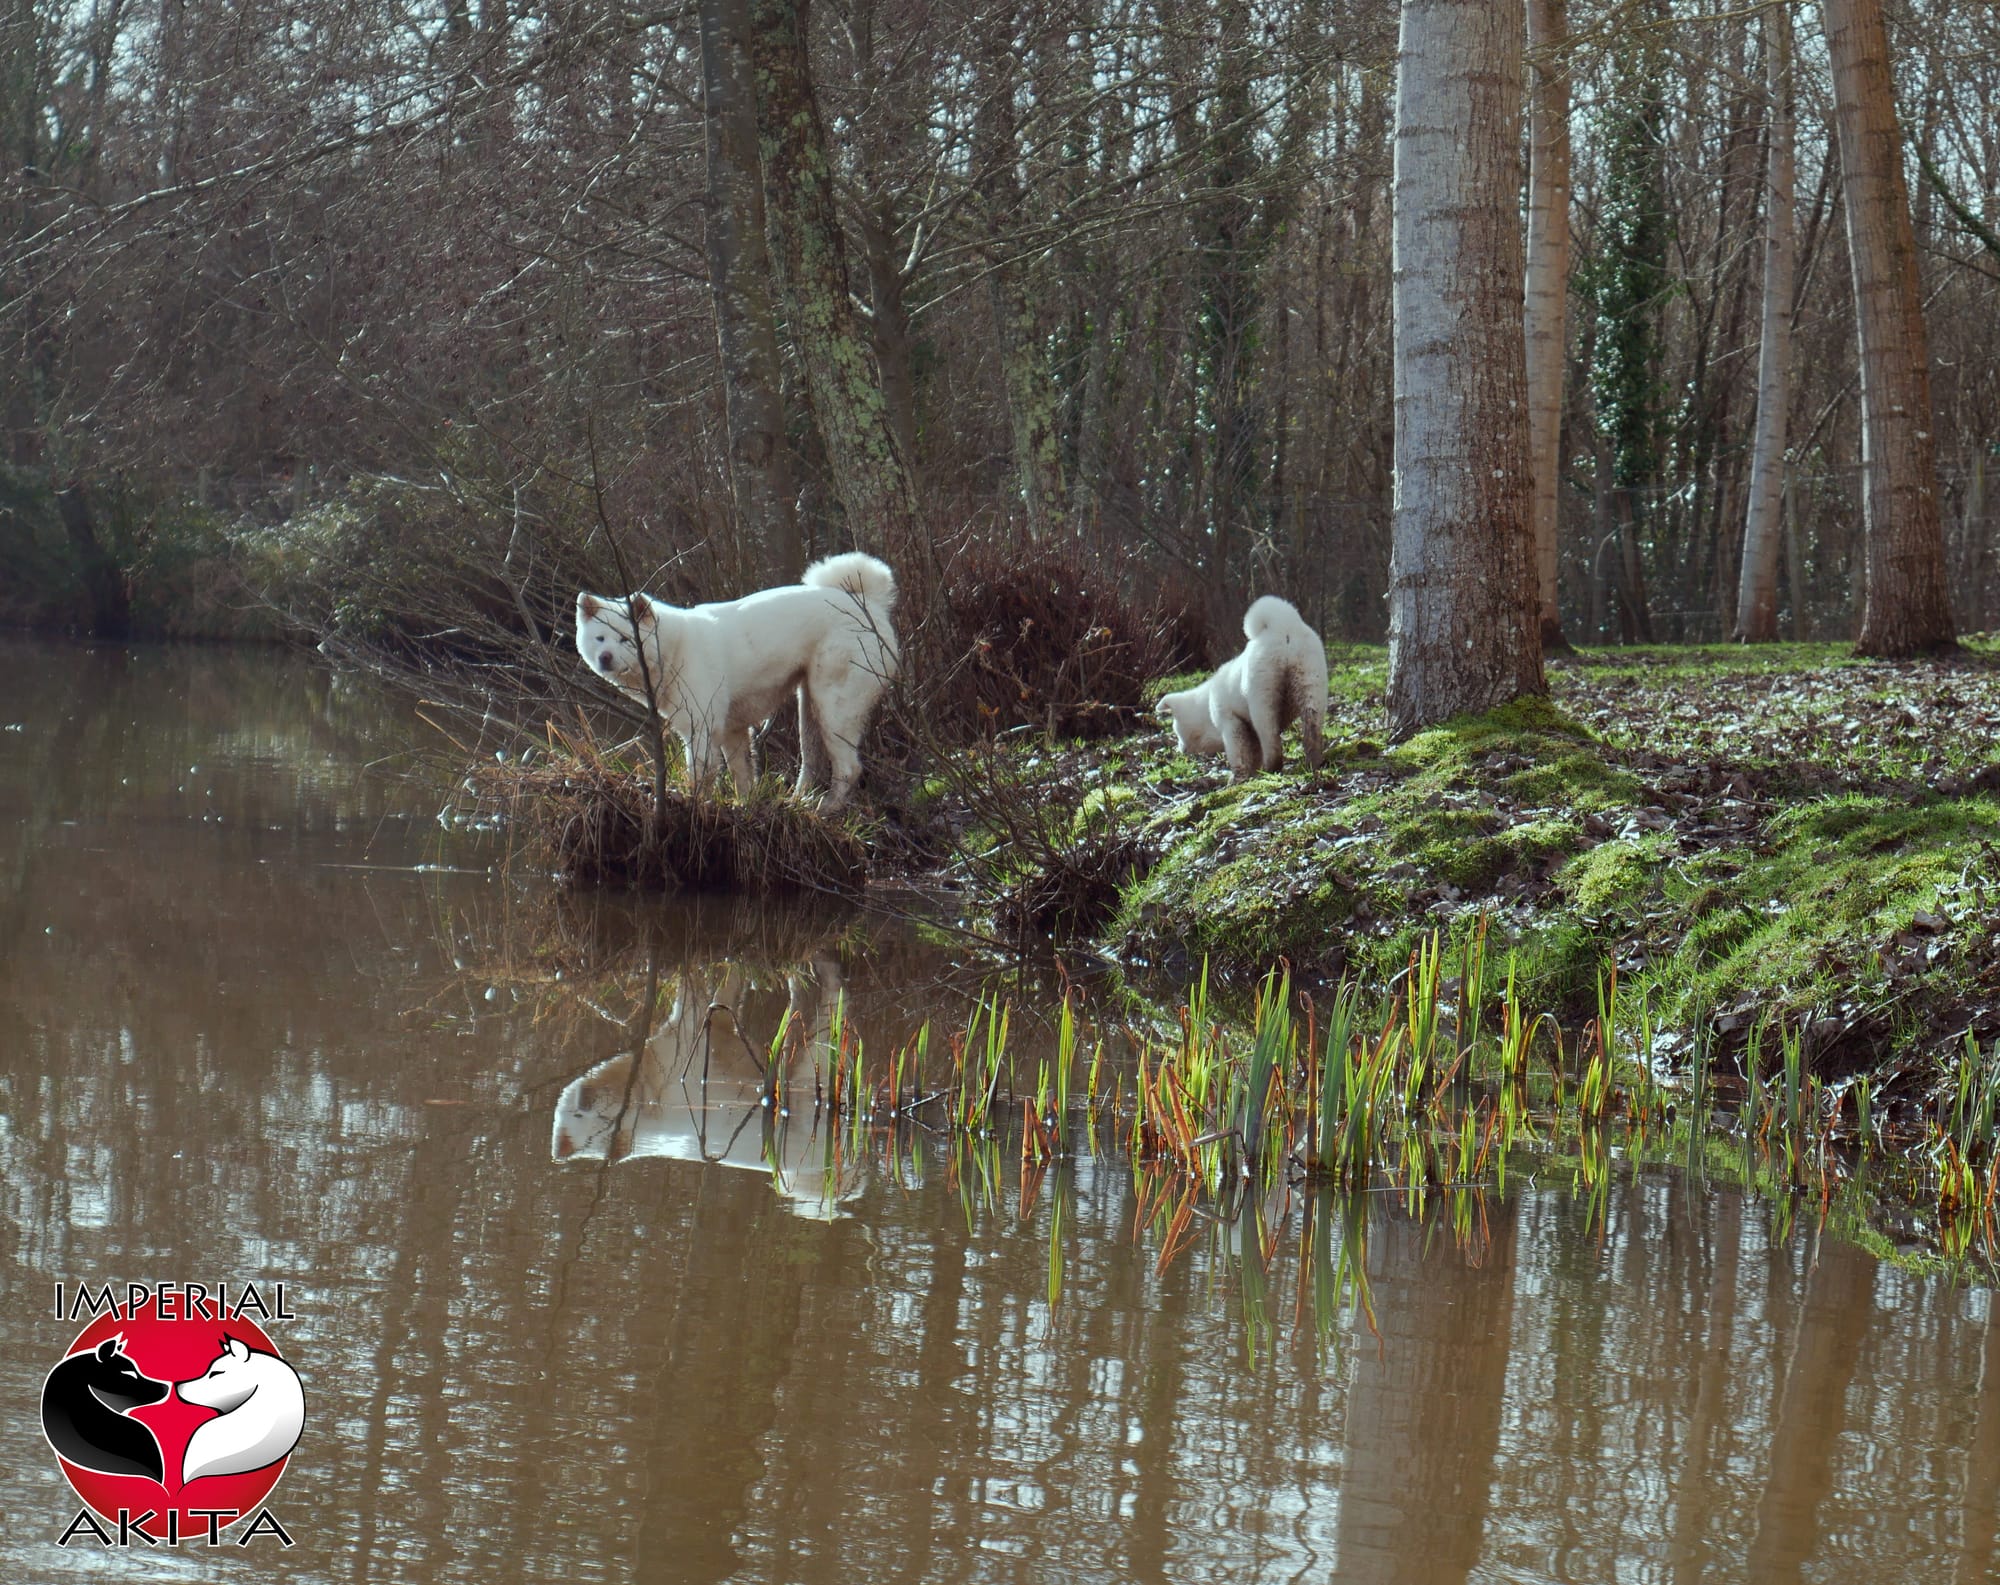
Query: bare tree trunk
(1907, 607)
(889, 320)
(739, 274)
(1547, 295)
(1763, 529)
(1031, 394)
(870, 472)
(1463, 609)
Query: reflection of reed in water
(702, 1088)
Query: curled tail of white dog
(860, 575)
(1268, 612)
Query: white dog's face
(604, 638)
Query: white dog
(720, 671)
(263, 1410)
(1244, 708)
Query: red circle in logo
(209, 1403)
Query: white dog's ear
(645, 610)
(586, 607)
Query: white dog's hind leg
(846, 772)
(742, 765)
(1312, 728)
(814, 768)
(702, 761)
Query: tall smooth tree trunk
(1464, 630)
(1764, 526)
(870, 472)
(739, 274)
(1547, 295)
(1907, 609)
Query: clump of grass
(598, 822)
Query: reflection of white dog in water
(1244, 708)
(721, 671)
(263, 1411)
(698, 1089)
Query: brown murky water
(564, 1315)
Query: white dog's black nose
(604, 661)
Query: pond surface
(564, 1313)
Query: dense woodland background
(361, 301)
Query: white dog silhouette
(263, 1411)
(720, 671)
(1243, 709)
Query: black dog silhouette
(83, 1411)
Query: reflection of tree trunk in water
(726, 1349)
(950, 1443)
(1710, 1423)
(1423, 1411)
(421, 1281)
(1148, 1553)
(1812, 1409)
(1979, 1512)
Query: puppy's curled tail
(1266, 613)
(860, 575)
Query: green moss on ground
(1781, 831)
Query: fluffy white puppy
(720, 671)
(1244, 708)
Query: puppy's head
(604, 637)
(1188, 713)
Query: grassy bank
(1751, 835)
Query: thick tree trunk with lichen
(1907, 609)
(870, 473)
(1031, 394)
(1463, 611)
(1764, 526)
(1547, 294)
(739, 273)
(889, 321)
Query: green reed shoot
(1425, 975)
(1335, 1073)
(1976, 1094)
(1270, 1054)
(1472, 972)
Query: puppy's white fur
(1241, 712)
(720, 671)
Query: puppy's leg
(813, 766)
(1239, 744)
